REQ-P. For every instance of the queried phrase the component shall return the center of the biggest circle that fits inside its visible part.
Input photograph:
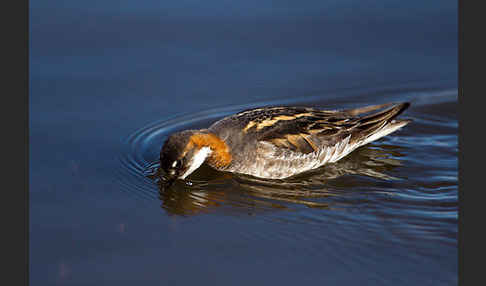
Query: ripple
(404, 184)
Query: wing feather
(307, 130)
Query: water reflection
(208, 190)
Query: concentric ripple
(408, 179)
(398, 192)
(142, 148)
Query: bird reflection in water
(208, 190)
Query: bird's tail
(373, 126)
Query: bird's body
(278, 142)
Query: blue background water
(109, 78)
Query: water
(109, 82)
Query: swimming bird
(278, 142)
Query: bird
(277, 142)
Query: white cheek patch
(197, 161)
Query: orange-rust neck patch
(220, 155)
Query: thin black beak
(167, 179)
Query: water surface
(110, 81)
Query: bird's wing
(306, 130)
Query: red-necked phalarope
(278, 142)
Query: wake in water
(411, 176)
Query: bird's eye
(177, 164)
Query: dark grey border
(15, 139)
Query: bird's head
(181, 155)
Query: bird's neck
(220, 155)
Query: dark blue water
(110, 80)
